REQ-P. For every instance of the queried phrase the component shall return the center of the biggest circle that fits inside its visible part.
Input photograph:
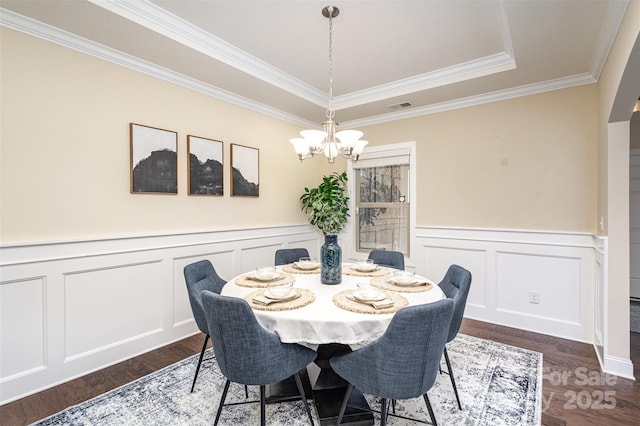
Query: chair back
(201, 276)
(246, 352)
(455, 285)
(403, 363)
(290, 255)
(392, 259)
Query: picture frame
(153, 160)
(205, 163)
(245, 171)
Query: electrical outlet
(534, 297)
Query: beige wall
(525, 163)
(65, 151)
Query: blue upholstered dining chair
(455, 285)
(290, 255)
(201, 276)
(249, 354)
(403, 363)
(390, 258)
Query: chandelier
(345, 143)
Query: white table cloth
(322, 321)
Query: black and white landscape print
(205, 166)
(244, 171)
(154, 161)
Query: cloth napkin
(265, 301)
(379, 304)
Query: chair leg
(246, 392)
(303, 396)
(383, 412)
(204, 347)
(263, 417)
(453, 381)
(433, 416)
(393, 405)
(344, 403)
(224, 396)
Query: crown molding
(608, 33)
(473, 69)
(52, 34)
(153, 17)
(502, 61)
(499, 95)
(49, 33)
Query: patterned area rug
(498, 385)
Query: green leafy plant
(327, 205)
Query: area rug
(498, 385)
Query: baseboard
(618, 367)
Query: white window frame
(382, 155)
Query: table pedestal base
(328, 390)
(287, 390)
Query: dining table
(331, 319)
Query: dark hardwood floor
(583, 397)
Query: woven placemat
(381, 282)
(306, 297)
(341, 301)
(247, 280)
(290, 268)
(380, 272)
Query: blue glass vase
(330, 261)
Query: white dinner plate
(373, 296)
(272, 277)
(356, 268)
(307, 267)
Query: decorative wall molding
(511, 266)
(69, 308)
(64, 303)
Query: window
(382, 200)
(382, 208)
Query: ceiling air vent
(400, 105)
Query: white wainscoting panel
(555, 279)
(437, 259)
(600, 298)
(22, 327)
(508, 265)
(69, 308)
(107, 307)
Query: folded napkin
(265, 301)
(379, 304)
(414, 284)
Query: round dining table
(328, 319)
(324, 319)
